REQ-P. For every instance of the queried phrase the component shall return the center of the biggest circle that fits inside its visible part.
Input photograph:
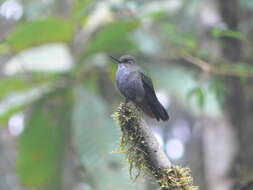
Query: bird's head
(125, 59)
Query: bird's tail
(157, 109)
(153, 108)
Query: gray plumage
(135, 86)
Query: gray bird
(137, 87)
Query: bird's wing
(155, 105)
(147, 82)
(150, 96)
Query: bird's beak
(115, 59)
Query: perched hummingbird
(137, 87)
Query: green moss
(133, 145)
(175, 178)
(128, 118)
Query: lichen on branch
(145, 155)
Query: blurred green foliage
(216, 32)
(199, 94)
(4, 118)
(74, 110)
(12, 85)
(40, 32)
(20, 83)
(42, 144)
(96, 141)
(81, 9)
(113, 38)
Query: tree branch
(207, 67)
(203, 65)
(144, 153)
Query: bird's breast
(129, 83)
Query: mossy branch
(144, 153)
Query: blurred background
(57, 90)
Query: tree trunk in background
(219, 153)
(220, 148)
(239, 104)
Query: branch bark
(157, 157)
(144, 153)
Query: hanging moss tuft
(128, 118)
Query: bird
(137, 87)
